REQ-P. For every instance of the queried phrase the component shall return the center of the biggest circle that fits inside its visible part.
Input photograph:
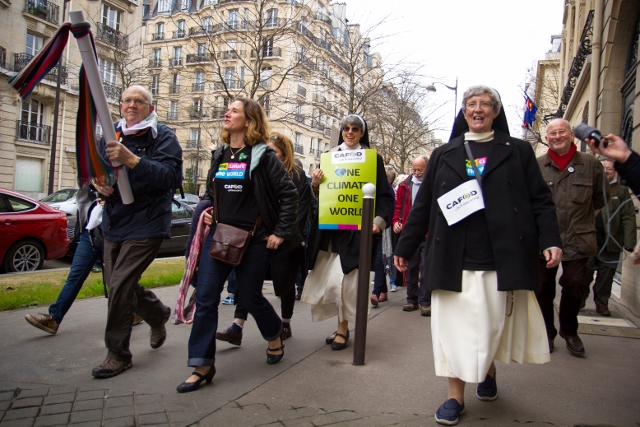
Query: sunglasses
(350, 129)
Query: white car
(64, 200)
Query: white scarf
(151, 121)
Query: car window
(19, 205)
(4, 205)
(178, 211)
(60, 195)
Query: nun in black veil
(490, 216)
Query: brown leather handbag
(229, 242)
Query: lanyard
(473, 163)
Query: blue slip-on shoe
(488, 389)
(449, 412)
(228, 301)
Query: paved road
(45, 380)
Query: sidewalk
(46, 380)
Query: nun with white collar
(331, 286)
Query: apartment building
(26, 128)
(302, 62)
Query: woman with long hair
(250, 189)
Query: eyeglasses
(350, 129)
(275, 137)
(136, 102)
(557, 133)
(484, 105)
(609, 169)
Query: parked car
(63, 199)
(190, 199)
(181, 214)
(31, 231)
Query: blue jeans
(83, 261)
(379, 277)
(211, 277)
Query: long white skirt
(331, 292)
(471, 328)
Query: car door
(9, 226)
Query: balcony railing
(176, 62)
(230, 84)
(198, 87)
(193, 143)
(155, 63)
(318, 153)
(33, 132)
(196, 58)
(180, 34)
(299, 118)
(323, 18)
(154, 90)
(43, 9)
(22, 59)
(231, 54)
(298, 148)
(174, 89)
(157, 36)
(268, 52)
(202, 30)
(113, 37)
(3, 57)
(112, 91)
(172, 115)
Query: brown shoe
(230, 335)
(46, 323)
(602, 309)
(574, 344)
(425, 310)
(137, 320)
(110, 368)
(374, 300)
(410, 307)
(382, 297)
(159, 334)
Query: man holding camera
(576, 182)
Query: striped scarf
(89, 162)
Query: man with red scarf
(576, 181)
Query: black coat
(630, 172)
(519, 210)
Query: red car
(31, 232)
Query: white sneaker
(394, 288)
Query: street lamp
(432, 88)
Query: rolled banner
(102, 107)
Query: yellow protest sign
(345, 172)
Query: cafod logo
(347, 172)
(462, 199)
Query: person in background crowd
(615, 230)
(331, 286)
(482, 266)
(418, 296)
(576, 182)
(388, 240)
(313, 206)
(250, 189)
(282, 273)
(383, 252)
(133, 233)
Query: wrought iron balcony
(323, 18)
(176, 62)
(43, 9)
(203, 30)
(229, 83)
(231, 54)
(157, 36)
(113, 37)
(268, 52)
(197, 58)
(172, 115)
(174, 89)
(112, 91)
(193, 143)
(180, 34)
(33, 132)
(155, 63)
(298, 148)
(300, 118)
(198, 87)
(22, 59)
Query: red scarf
(562, 160)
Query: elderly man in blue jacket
(133, 233)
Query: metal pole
(455, 102)
(364, 267)
(54, 138)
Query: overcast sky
(494, 42)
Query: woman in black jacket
(249, 186)
(482, 267)
(282, 272)
(331, 286)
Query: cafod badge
(345, 172)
